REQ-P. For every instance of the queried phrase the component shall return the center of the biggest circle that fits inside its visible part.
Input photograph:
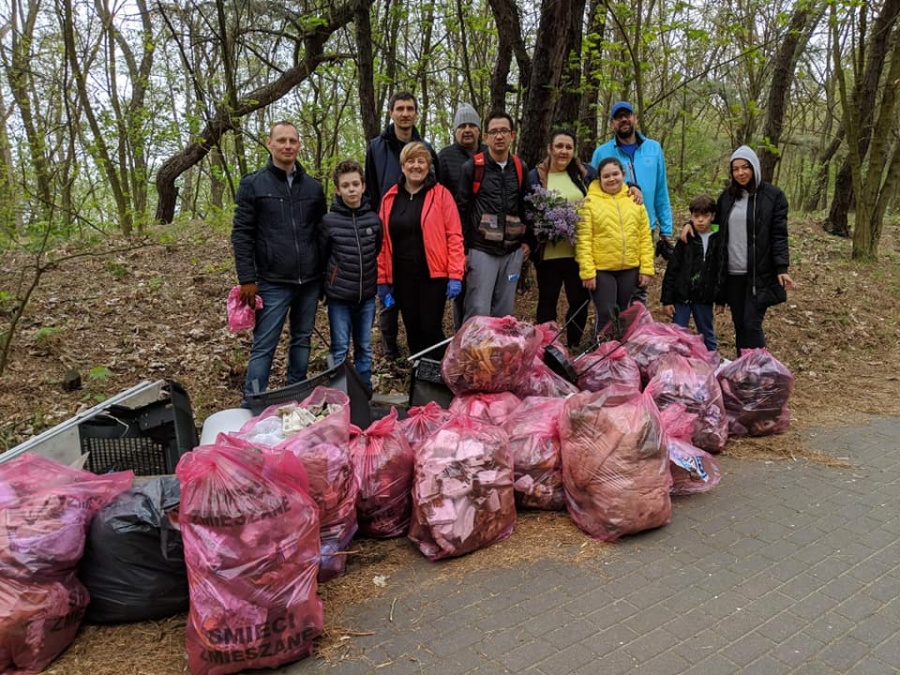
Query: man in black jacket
(491, 206)
(466, 142)
(382, 172)
(276, 226)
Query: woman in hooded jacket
(752, 218)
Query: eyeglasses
(498, 132)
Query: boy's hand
(786, 281)
(669, 310)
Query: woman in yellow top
(613, 245)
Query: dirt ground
(157, 310)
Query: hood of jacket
(746, 153)
(594, 190)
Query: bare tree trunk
(569, 103)
(509, 33)
(861, 110)
(803, 22)
(366, 71)
(543, 90)
(587, 113)
(820, 183)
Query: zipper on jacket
(621, 229)
(359, 254)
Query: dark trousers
(746, 316)
(389, 325)
(552, 276)
(421, 302)
(613, 291)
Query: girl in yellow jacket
(613, 246)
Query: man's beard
(625, 132)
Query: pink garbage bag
(251, 545)
(533, 430)
(490, 408)
(383, 462)
(240, 315)
(650, 342)
(606, 366)
(463, 489)
(489, 354)
(756, 389)
(422, 421)
(693, 470)
(615, 467)
(692, 384)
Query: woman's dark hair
(610, 160)
(735, 189)
(561, 131)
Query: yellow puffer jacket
(613, 234)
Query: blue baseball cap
(618, 107)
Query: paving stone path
(788, 567)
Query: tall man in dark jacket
(276, 226)
(466, 142)
(491, 206)
(382, 172)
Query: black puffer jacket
(767, 241)
(691, 277)
(276, 228)
(450, 161)
(501, 195)
(351, 241)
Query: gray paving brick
(796, 650)
(813, 606)
(714, 665)
(568, 659)
(889, 650)
(875, 629)
(843, 654)
(651, 644)
(748, 648)
(664, 664)
(526, 654)
(782, 627)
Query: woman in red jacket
(421, 262)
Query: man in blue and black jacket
(275, 234)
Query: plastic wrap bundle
(489, 408)
(541, 381)
(693, 470)
(324, 448)
(133, 564)
(756, 389)
(550, 334)
(241, 316)
(489, 354)
(650, 342)
(615, 468)
(46, 510)
(383, 462)
(608, 366)
(422, 421)
(251, 543)
(693, 384)
(533, 431)
(463, 489)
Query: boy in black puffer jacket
(692, 274)
(351, 241)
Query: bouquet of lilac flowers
(552, 216)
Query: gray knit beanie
(465, 114)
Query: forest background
(124, 122)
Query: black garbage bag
(133, 564)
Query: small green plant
(45, 335)
(117, 269)
(156, 283)
(99, 374)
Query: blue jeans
(279, 301)
(703, 317)
(353, 319)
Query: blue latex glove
(454, 288)
(385, 296)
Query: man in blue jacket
(276, 226)
(645, 167)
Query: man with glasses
(491, 205)
(645, 167)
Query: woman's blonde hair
(414, 150)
